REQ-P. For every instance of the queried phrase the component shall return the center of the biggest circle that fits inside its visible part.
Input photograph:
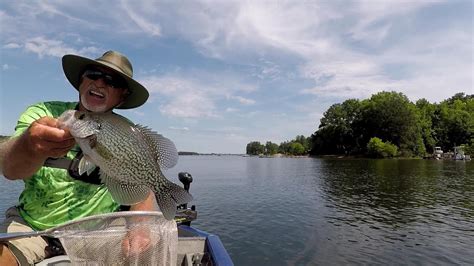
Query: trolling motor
(185, 215)
(185, 178)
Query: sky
(224, 73)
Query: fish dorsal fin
(164, 150)
(124, 193)
(85, 166)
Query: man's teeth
(97, 93)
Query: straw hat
(74, 66)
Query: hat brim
(74, 66)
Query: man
(52, 195)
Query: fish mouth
(65, 120)
(88, 137)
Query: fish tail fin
(169, 196)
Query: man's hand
(21, 157)
(45, 139)
(137, 241)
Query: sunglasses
(112, 81)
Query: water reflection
(395, 187)
(307, 211)
(402, 204)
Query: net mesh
(123, 238)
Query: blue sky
(224, 73)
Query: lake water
(307, 211)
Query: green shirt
(52, 197)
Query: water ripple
(285, 211)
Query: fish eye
(99, 126)
(82, 116)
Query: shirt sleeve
(31, 114)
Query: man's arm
(149, 204)
(138, 239)
(22, 156)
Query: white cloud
(189, 106)
(250, 28)
(350, 78)
(57, 48)
(375, 18)
(231, 110)
(42, 46)
(12, 45)
(322, 37)
(179, 128)
(185, 98)
(433, 62)
(196, 94)
(267, 50)
(138, 19)
(243, 100)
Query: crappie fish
(130, 158)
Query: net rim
(109, 215)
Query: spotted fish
(131, 158)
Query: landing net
(122, 238)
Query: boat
(195, 246)
(460, 155)
(437, 153)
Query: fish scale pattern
(130, 158)
(131, 161)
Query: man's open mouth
(96, 94)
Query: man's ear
(123, 97)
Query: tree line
(301, 145)
(387, 124)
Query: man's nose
(100, 82)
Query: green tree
(271, 148)
(453, 121)
(391, 116)
(379, 149)
(297, 148)
(255, 148)
(414, 129)
(284, 147)
(336, 133)
(306, 142)
(426, 112)
(469, 148)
